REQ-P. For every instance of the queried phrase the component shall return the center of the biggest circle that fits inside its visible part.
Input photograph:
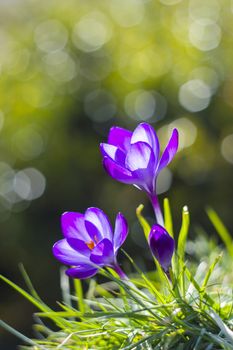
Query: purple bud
(162, 246)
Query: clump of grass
(191, 308)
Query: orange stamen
(90, 244)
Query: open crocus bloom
(162, 246)
(89, 242)
(134, 157)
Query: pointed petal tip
(101, 146)
(97, 223)
(119, 137)
(121, 231)
(175, 134)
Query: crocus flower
(162, 246)
(89, 242)
(134, 158)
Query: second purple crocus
(162, 246)
(134, 158)
(90, 243)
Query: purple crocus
(89, 242)
(162, 246)
(134, 158)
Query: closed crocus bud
(162, 246)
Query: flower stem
(157, 209)
(120, 272)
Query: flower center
(90, 244)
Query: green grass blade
(221, 229)
(41, 306)
(209, 272)
(19, 335)
(36, 302)
(79, 294)
(207, 277)
(65, 287)
(190, 277)
(162, 277)
(145, 226)
(183, 233)
(64, 314)
(224, 328)
(179, 259)
(168, 223)
(28, 282)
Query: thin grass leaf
(178, 267)
(79, 294)
(224, 328)
(131, 290)
(221, 229)
(29, 283)
(139, 343)
(209, 272)
(40, 305)
(145, 226)
(19, 335)
(65, 314)
(65, 287)
(168, 222)
(190, 277)
(122, 291)
(149, 284)
(183, 233)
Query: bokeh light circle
(127, 13)
(51, 35)
(227, 148)
(91, 32)
(204, 34)
(194, 95)
(145, 105)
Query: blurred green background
(71, 69)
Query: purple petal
(117, 171)
(140, 156)
(113, 152)
(67, 255)
(121, 231)
(80, 246)
(119, 137)
(145, 133)
(170, 150)
(82, 271)
(97, 224)
(73, 226)
(140, 160)
(162, 246)
(102, 254)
